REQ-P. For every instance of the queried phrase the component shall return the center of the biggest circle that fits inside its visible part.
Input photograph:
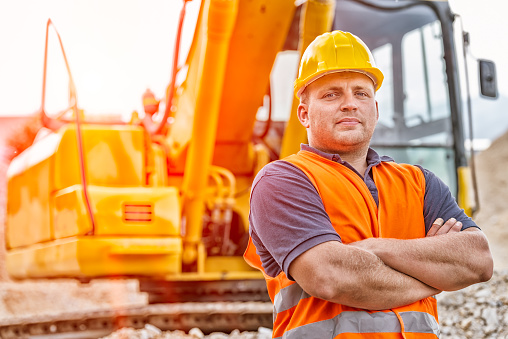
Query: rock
(466, 323)
(483, 293)
(264, 333)
(196, 333)
(218, 335)
(152, 329)
(490, 317)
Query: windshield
(422, 114)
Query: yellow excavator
(165, 198)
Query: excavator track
(162, 291)
(208, 317)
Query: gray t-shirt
(287, 216)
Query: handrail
(54, 124)
(48, 122)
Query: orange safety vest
(355, 216)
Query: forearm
(375, 286)
(358, 278)
(447, 262)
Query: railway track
(207, 316)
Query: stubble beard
(347, 141)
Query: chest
(354, 213)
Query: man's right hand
(440, 227)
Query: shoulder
(439, 202)
(280, 173)
(286, 216)
(433, 184)
(279, 167)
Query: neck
(357, 159)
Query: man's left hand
(440, 227)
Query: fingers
(450, 226)
(440, 227)
(435, 227)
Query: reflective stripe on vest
(364, 322)
(351, 322)
(288, 297)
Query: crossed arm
(379, 273)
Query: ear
(303, 114)
(377, 111)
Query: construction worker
(352, 244)
(151, 107)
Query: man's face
(339, 112)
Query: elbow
(344, 292)
(483, 267)
(330, 289)
(487, 268)
(352, 296)
(481, 271)
(326, 291)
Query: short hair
(304, 97)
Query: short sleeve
(440, 203)
(287, 216)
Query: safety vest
(355, 216)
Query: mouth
(348, 121)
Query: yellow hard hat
(332, 52)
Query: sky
(117, 49)
(486, 23)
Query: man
(353, 245)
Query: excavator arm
(91, 200)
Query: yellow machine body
(149, 199)
(48, 233)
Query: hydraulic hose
(174, 71)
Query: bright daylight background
(117, 49)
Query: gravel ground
(152, 332)
(478, 311)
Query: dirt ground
(492, 217)
(54, 297)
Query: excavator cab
(422, 108)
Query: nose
(348, 103)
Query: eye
(362, 94)
(330, 95)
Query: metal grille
(137, 212)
